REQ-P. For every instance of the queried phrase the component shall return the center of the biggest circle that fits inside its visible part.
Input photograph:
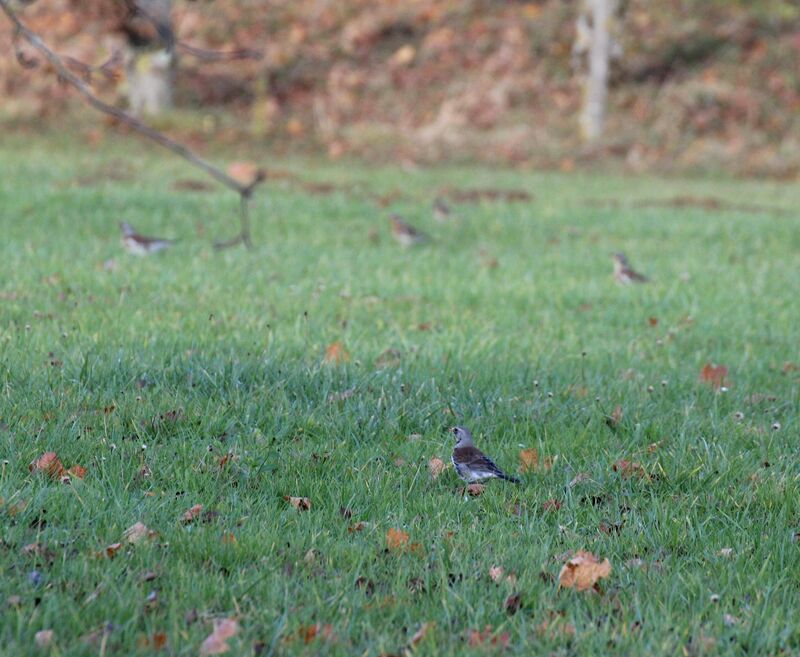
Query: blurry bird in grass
(623, 272)
(441, 211)
(139, 244)
(471, 464)
(405, 234)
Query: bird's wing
(477, 461)
(636, 276)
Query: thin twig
(208, 55)
(245, 191)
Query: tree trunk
(150, 60)
(594, 39)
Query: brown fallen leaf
(48, 463)
(477, 638)
(111, 550)
(159, 640)
(583, 571)
(137, 533)
(496, 573)
(191, 514)
(357, 527)
(529, 459)
(475, 489)
(43, 638)
(629, 469)
(715, 376)
(513, 603)
(396, 539)
(613, 420)
(419, 635)
(336, 353)
(216, 643)
(436, 466)
(551, 505)
(652, 321)
(299, 503)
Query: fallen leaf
(191, 514)
(551, 505)
(396, 539)
(579, 478)
(43, 638)
(436, 466)
(359, 526)
(137, 532)
(403, 56)
(496, 573)
(529, 459)
(216, 643)
(714, 375)
(336, 353)
(613, 420)
(583, 571)
(475, 489)
(419, 635)
(111, 550)
(159, 640)
(77, 471)
(652, 321)
(477, 638)
(513, 603)
(299, 503)
(629, 469)
(49, 463)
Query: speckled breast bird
(623, 272)
(139, 244)
(404, 233)
(471, 464)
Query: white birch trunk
(150, 68)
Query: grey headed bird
(471, 464)
(623, 272)
(404, 233)
(441, 211)
(139, 244)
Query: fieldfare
(405, 234)
(139, 244)
(471, 464)
(623, 272)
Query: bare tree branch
(207, 55)
(245, 191)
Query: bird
(404, 233)
(139, 244)
(471, 464)
(441, 211)
(623, 272)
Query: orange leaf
(336, 353)
(476, 489)
(193, 513)
(216, 643)
(48, 463)
(529, 459)
(77, 471)
(652, 321)
(396, 539)
(299, 503)
(714, 375)
(629, 469)
(159, 640)
(228, 537)
(436, 466)
(552, 505)
(613, 420)
(111, 550)
(583, 571)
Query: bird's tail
(513, 480)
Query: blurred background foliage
(698, 85)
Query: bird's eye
(455, 431)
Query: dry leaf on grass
(513, 603)
(614, 419)
(299, 503)
(528, 459)
(436, 466)
(43, 638)
(551, 505)
(477, 638)
(48, 463)
(216, 643)
(475, 489)
(629, 469)
(714, 375)
(137, 533)
(191, 514)
(396, 539)
(496, 573)
(419, 635)
(111, 550)
(583, 571)
(336, 353)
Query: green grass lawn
(98, 347)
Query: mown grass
(533, 353)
